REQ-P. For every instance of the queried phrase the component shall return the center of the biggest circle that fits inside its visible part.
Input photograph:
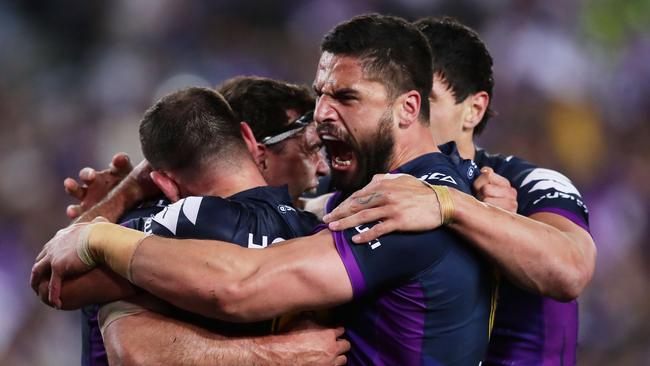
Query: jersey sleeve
(546, 190)
(196, 217)
(396, 257)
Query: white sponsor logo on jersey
(168, 217)
(439, 176)
(265, 241)
(374, 244)
(285, 208)
(549, 179)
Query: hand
(311, 344)
(94, 185)
(139, 184)
(402, 203)
(496, 190)
(60, 259)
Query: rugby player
(195, 145)
(425, 299)
(279, 116)
(278, 113)
(545, 252)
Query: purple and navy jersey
(255, 218)
(530, 329)
(419, 298)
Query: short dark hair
(460, 58)
(392, 51)
(186, 129)
(263, 102)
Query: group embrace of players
(458, 257)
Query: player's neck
(229, 179)
(412, 145)
(465, 146)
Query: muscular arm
(101, 285)
(225, 281)
(149, 338)
(95, 287)
(546, 253)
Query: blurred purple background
(572, 93)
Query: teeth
(329, 137)
(338, 161)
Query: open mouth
(341, 154)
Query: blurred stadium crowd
(572, 93)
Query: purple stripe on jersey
(400, 320)
(561, 330)
(318, 228)
(350, 263)
(564, 213)
(97, 350)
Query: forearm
(535, 255)
(196, 275)
(117, 201)
(225, 281)
(95, 287)
(152, 339)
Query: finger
(339, 331)
(486, 170)
(55, 290)
(43, 292)
(343, 345)
(37, 274)
(41, 254)
(73, 188)
(354, 204)
(340, 360)
(362, 217)
(374, 232)
(497, 179)
(120, 164)
(496, 191)
(87, 175)
(100, 219)
(73, 211)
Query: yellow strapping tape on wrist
(445, 202)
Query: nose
(324, 113)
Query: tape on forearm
(114, 246)
(83, 250)
(116, 310)
(445, 202)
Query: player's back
(530, 329)
(253, 218)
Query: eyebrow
(337, 93)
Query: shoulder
(509, 166)
(449, 175)
(195, 216)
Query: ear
(475, 107)
(166, 184)
(408, 108)
(258, 151)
